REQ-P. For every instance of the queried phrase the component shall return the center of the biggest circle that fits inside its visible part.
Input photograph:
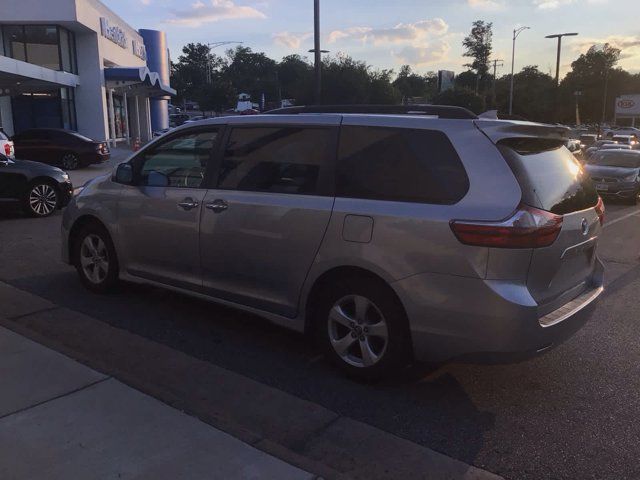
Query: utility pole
(559, 37)
(495, 68)
(516, 32)
(557, 94)
(317, 51)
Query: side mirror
(124, 174)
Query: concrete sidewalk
(62, 420)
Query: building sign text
(113, 33)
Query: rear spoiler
(498, 130)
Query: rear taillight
(528, 227)
(600, 210)
(7, 149)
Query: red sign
(626, 103)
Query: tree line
(595, 80)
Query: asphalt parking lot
(568, 414)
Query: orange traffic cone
(136, 144)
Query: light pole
(317, 51)
(559, 37)
(516, 33)
(211, 47)
(495, 68)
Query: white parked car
(6, 145)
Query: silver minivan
(392, 234)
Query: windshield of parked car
(616, 159)
(3, 136)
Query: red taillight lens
(528, 227)
(600, 210)
(7, 149)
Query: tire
(95, 258)
(348, 316)
(70, 161)
(634, 200)
(41, 199)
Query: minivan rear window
(399, 164)
(550, 177)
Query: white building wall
(94, 52)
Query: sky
(426, 34)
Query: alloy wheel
(358, 331)
(94, 259)
(70, 161)
(43, 200)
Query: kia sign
(628, 106)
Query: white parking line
(624, 217)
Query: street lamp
(211, 47)
(516, 33)
(559, 37)
(317, 51)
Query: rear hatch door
(551, 179)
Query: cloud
(486, 4)
(213, 11)
(291, 40)
(554, 4)
(145, 2)
(436, 52)
(403, 32)
(419, 43)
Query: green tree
(478, 45)
(533, 94)
(197, 76)
(591, 74)
(461, 97)
(252, 73)
(410, 84)
(295, 77)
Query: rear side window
(550, 176)
(291, 160)
(398, 164)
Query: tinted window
(550, 178)
(400, 165)
(616, 159)
(295, 160)
(178, 162)
(41, 43)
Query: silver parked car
(394, 234)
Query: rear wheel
(70, 161)
(362, 328)
(41, 199)
(95, 259)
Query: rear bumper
(488, 320)
(95, 158)
(620, 191)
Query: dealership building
(75, 64)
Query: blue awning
(138, 75)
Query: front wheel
(95, 259)
(41, 200)
(363, 328)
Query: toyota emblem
(585, 226)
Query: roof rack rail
(441, 111)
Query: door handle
(188, 204)
(217, 206)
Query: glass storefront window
(48, 46)
(51, 109)
(42, 46)
(14, 47)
